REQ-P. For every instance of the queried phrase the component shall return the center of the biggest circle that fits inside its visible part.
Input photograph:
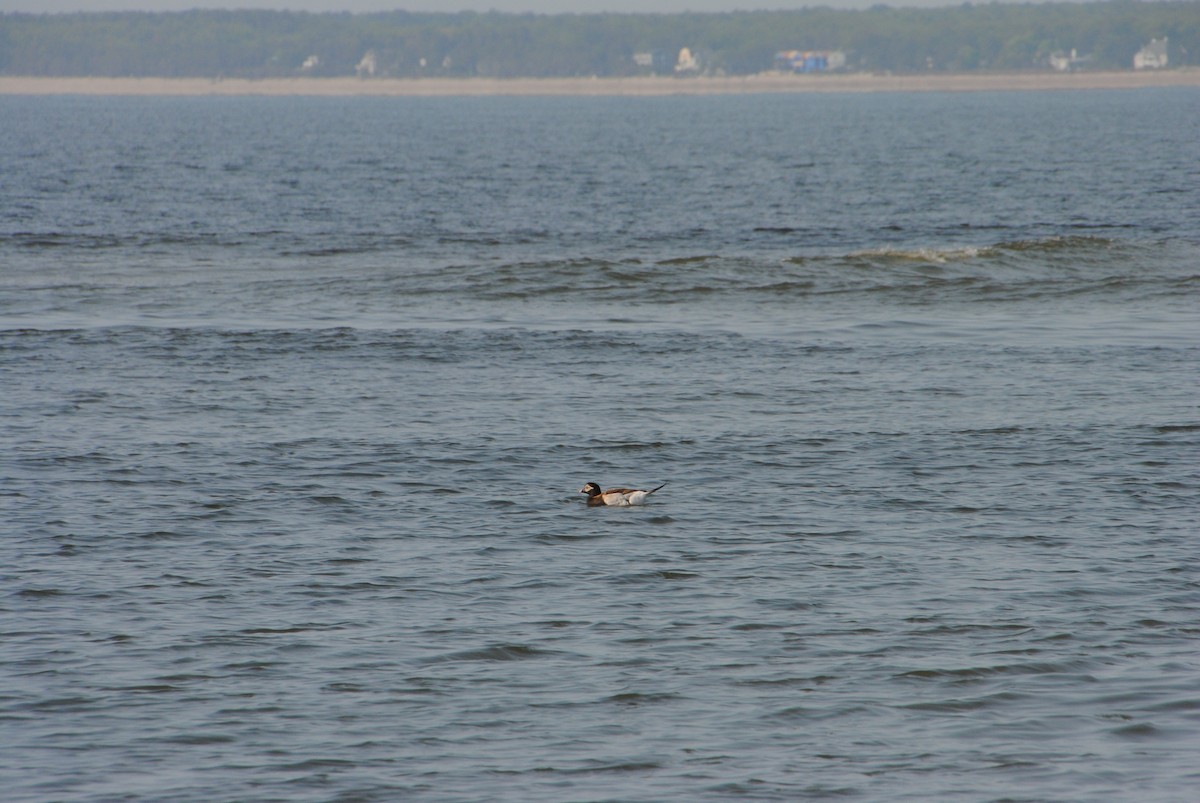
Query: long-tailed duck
(615, 497)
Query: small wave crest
(1002, 271)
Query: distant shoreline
(622, 87)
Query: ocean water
(298, 395)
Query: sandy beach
(632, 87)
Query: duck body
(615, 497)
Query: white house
(687, 62)
(366, 67)
(1153, 56)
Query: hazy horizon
(510, 6)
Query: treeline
(279, 43)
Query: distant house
(687, 63)
(806, 61)
(656, 61)
(311, 63)
(1151, 57)
(1063, 62)
(366, 67)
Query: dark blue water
(297, 396)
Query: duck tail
(652, 490)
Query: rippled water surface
(298, 395)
